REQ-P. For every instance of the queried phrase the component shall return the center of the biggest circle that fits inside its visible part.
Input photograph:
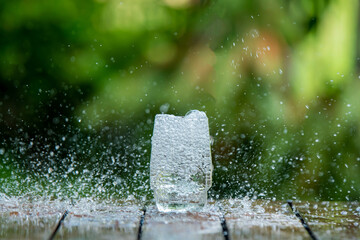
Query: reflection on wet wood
(261, 220)
(119, 220)
(332, 220)
(200, 225)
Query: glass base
(178, 198)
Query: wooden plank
(248, 219)
(26, 218)
(87, 219)
(102, 221)
(196, 225)
(332, 220)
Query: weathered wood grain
(196, 225)
(246, 219)
(261, 220)
(332, 220)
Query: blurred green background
(81, 82)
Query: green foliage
(278, 80)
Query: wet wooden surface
(245, 219)
(332, 220)
(262, 220)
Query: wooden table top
(244, 219)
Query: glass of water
(180, 166)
